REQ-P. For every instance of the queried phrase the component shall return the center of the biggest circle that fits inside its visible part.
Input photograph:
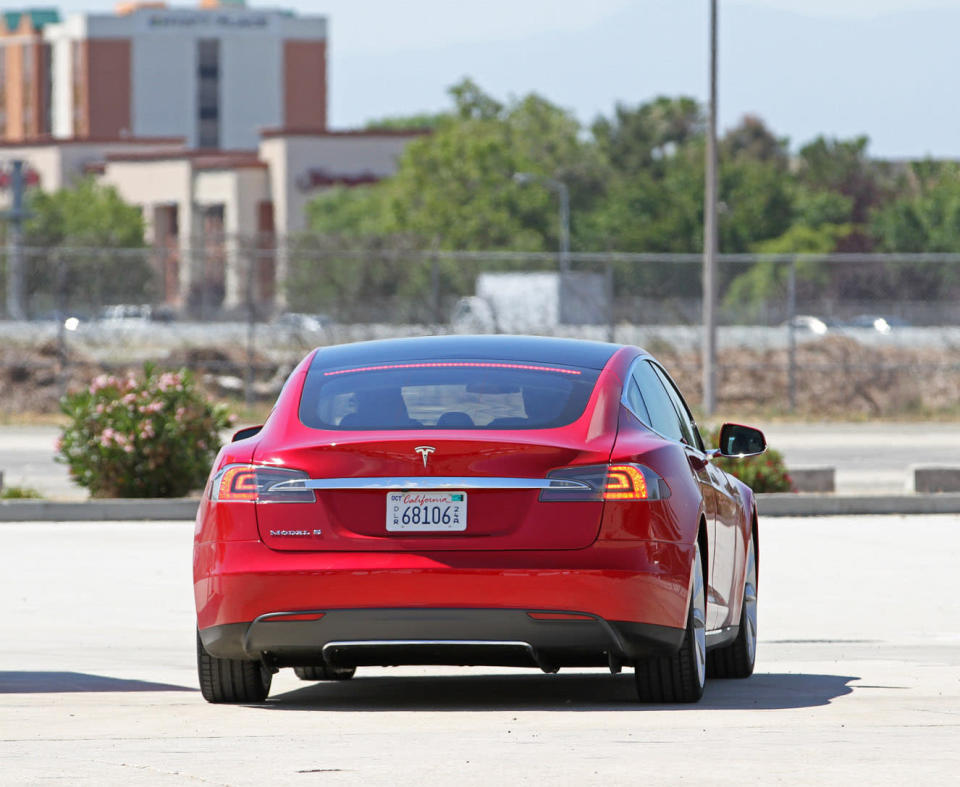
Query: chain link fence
(877, 335)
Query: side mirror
(243, 434)
(740, 441)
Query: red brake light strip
(445, 364)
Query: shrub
(19, 493)
(764, 473)
(153, 436)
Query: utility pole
(15, 217)
(710, 244)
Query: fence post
(792, 335)
(251, 327)
(61, 315)
(16, 309)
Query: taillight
(608, 482)
(625, 482)
(256, 484)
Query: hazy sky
(841, 67)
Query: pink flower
(129, 398)
(99, 382)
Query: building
(25, 73)
(204, 205)
(201, 206)
(211, 119)
(213, 75)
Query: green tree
(637, 139)
(454, 189)
(751, 139)
(927, 220)
(842, 166)
(417, 122)
(83, 215)
(76, 235)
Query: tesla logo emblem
(425, 451)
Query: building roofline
(273, 133)
(51, 141)
(186, 153)
(198, 159)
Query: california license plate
(425, 512)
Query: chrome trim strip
(427, 482)
(379, 643)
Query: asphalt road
(870, 458)
(858, 681)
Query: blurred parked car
(807, 323)
(142, 312)
(301, 323)
(876, 322)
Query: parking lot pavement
(858, 679)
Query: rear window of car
(447, 394)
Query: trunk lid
(496, 518)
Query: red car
(487, 500)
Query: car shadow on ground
(564, 692)
(72, 682)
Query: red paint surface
(627, 560)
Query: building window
(208, 93)
(45, 125)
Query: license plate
(425, 512)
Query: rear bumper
(491, 637)
(631, 598)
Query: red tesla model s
(486, 500)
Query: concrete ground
(858, 680)
(871, 458)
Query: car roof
(541, 349)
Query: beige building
(206, 208)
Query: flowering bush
(149, 437)
(764, 473)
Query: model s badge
(425, 451)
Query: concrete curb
(177, 508)
(852, 505)
(770, 505)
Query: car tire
(324, 672)
(231, 680)
(736, 660)
(680, 677)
